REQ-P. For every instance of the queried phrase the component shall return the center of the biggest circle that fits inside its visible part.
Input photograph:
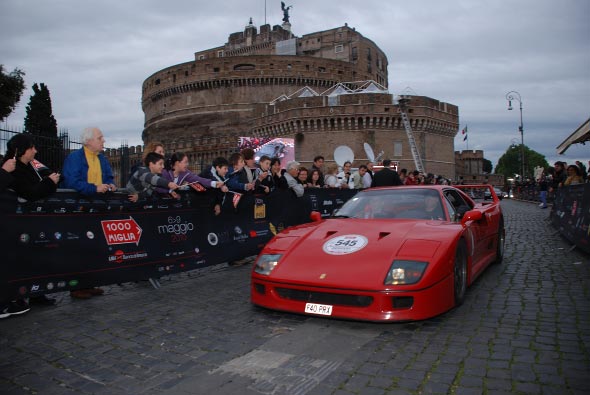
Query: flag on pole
(464, 131)
(236, 199)
(197, 187)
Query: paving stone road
(524, 329)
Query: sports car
(388, 254)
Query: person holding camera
(343, 178)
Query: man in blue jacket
(87, 170)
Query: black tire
(460, 273)
(501, 243)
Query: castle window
(173, 78)
(339, 48)
(216, 69)
(186, 73)
(289, 66)
(322, 69)
(355, 54)
(201, 57)
(244, 67)
(220, 54)
(318, 39)
(397, 148)
(157, 82)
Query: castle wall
(203, 106)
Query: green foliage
(509, 164)
(40, 120)
(487, 166)
(11, 89)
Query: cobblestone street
(524, 328)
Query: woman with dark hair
(31, 179)
(313, 179)
(574, 176)
(176, 171)
(277, 174)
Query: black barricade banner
(68, 241)
(570, 214)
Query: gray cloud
(94, 56)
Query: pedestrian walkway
(524, 328)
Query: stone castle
(323, 89)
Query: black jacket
(385, 177)
(31, 184)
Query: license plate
(322, 309)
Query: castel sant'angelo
(322, 89)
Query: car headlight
(405, 272)
(266, 263)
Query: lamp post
(514, 95)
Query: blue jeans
(543, 196)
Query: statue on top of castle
(285, 12)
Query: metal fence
(52, 151)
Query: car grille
(325, 298)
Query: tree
(11, 89)
(487, 166)
(509, 164)
(40, 122)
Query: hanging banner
(570, 214)
(68, 241)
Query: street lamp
(514, 95)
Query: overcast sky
(94, 57)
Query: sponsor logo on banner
(259, 209)
(121, 256)
(176, 225)
(57, 235)
(328, 203)
(239, 235)
(24, 238)
(212, 239)
(259, 233)
(61, 284)
(121, 231)
(90, 235)
(35, 288)
(72, 236)
(49, 286)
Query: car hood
(319, 255)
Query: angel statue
(285, 11)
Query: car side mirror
(473, 215)
(315, 216)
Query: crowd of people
(547, 181)
(88, 171)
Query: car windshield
(410, 203)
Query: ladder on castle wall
(415, 153)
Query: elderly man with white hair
(291, 177)
(87, 170)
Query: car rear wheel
(501, 241)
(460, 273)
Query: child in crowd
(217, 172)
(264, 179)
(145, 179)
(237, 178)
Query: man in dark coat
(386, 176)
